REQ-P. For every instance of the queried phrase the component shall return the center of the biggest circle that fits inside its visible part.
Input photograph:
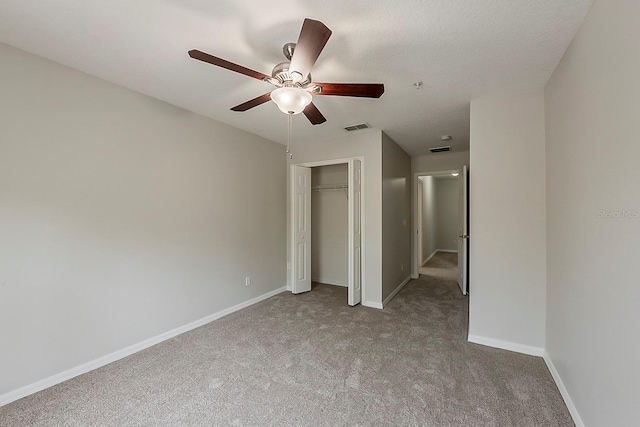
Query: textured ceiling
(460, 49)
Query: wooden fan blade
(364, 90)
(313, 114)
(205, 57)
(313, 37)
(253, 102)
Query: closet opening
(330, 225)
(326, 227)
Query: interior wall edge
(506, 345)
(127, 351)
(427, 259)
(395, 292)
(329, 282)
(372, 304)
(563, 390)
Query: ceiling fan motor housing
(281, 74)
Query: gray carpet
(311, 360)
(443, 265)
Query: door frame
(415, 262)
(419, 203)
(363, 196)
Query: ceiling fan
(292, 78)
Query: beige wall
(330, 226)
(452, 160)
(439, 215)
(121, 218)
(428, 218)
(366, 145)
(446, 206)
(507, 222)
(396, 216)
(593, 181)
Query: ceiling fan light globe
(291, 100)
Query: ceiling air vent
(357, 127)
(440, 149)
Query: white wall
(446, 207)
(428, 218)
(121, 218)
(366, 144)
(507, 270)
(593, 148)
(396, 216)
(451, 160)
(330, 226)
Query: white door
(355, 233)
(301, 214)
(463, 231)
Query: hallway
(443, 265)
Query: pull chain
(289, 119)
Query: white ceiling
(460, 49)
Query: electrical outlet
(247, 281)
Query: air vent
(357, 127)
(440, 149)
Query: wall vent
(440, 149)
(357, 127)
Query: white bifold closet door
(301, 214)
(355, 232)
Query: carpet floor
(443, 266)
(311, 360)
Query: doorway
(326, 233)
(441, 224)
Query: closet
(330, 225)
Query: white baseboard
(395, 292)
(117, 355)
(506, 345)
(451, 251)
(563, 390)
(534, 351)
(330, 282)
(428, 258)
(372, 304)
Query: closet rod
(330, 187)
